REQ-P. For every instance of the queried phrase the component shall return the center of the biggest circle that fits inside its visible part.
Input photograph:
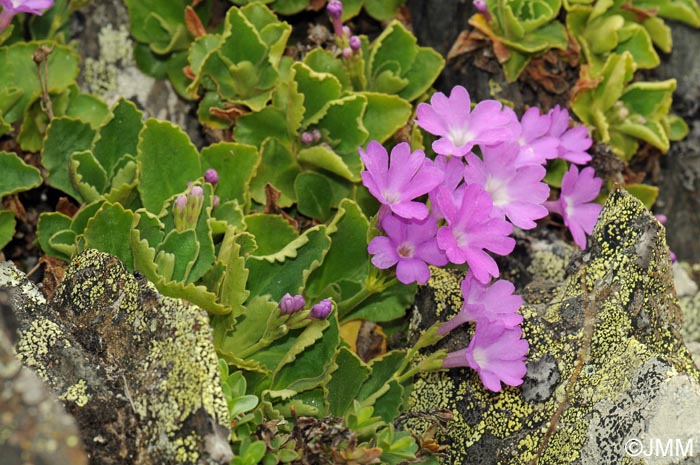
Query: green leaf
(385, 115)
(677, 128)
(7, 227)
(168, 161)
(87, 175)
(109, 231)
(118, 136)
(383, 369)
(314, 195)
(84, 215)
(289, 7)
(345, 382)
(255, 128)
(277, 278)
(184, 247)
(236, 165)
(272, 232)
(231, 213)
(389, 405)
(385, 306)
(310, 367)
(63, 137)
(342, 125)
(49, 224)
(319, 89)
(395, 44)
(425, 69)
(145, 262)
(383, 10)
(556, 169)
(20, 72)
(322, 157)
(17, 176)
(347, 258)
(149, 62)
(659, 32)
(250, 327)
(644, 192)
(323, 61)
(87, 108)
(232, 290)
(649, 99)
(279, 168)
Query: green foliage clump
(286, 214)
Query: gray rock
(607, 362)
(137, 370)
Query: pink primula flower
(496, 353)
(517, 193)
(453, 168)
(575, 204)
(471, 230)
(573, 142)
(492, 302)
(12, 7)
(536, 146)
(397, 180)
(410, 245)
(460, 127)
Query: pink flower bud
(322, 309)
(211, 176)
(355, 43)
(290, 304)
(306, 138)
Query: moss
(602, 344)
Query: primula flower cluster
(487, 177)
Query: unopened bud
(290, 304)
(211, 176)
(355, 43)
(306, 138)
(322, 309)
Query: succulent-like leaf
(168, 161)
(64, 136)
(272, 232)
(345, 382)
(277, 278)
(20, 73)
(17, 176)
(309, 367)
(109, 230)
(236, 165)
(314, 195)
(118, 136)
(7, 227)
(277, 168)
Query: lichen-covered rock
(35, 426)
(607, 363)
(136, 369)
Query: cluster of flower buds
(289, 304)
(188, 206)
(310, 137)
(350, 44)
(486, 179)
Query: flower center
(497, 188)
(461, 238)
(459, 136)
(480, 357)
(568, 207)
(391, 197)
(406, 250)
